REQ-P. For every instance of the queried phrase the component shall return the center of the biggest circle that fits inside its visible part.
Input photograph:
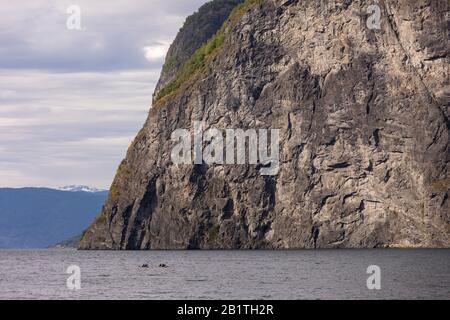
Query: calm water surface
(339, 274)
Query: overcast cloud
(72, 101)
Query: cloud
(113, 36)
(156, 52)
(70, 121)
(72, 101)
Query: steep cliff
(197, 29)
(364, 134)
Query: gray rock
(197, 29)
(364, 137)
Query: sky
(72, 99)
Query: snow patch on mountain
(76, 188)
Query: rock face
(197, 29)
(364, 136)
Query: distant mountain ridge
(71, 242)
(42, 217)
(77, 188)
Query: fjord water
(328, 274)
